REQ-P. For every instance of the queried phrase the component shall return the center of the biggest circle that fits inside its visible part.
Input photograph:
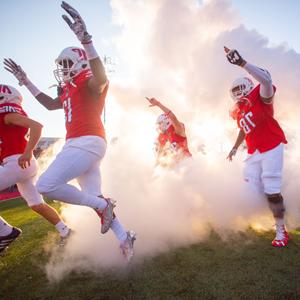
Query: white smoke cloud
(173, 50)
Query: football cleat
(107, 215)
(282, 237)
(127, 246)
(6, 240)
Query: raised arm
(34, 135)
(18, 72)
(99, 79)
(261, 75)
(178, 126)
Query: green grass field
(244, 267)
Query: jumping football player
(171, 144)
(81, 76)
(254, 112)
(16, 151)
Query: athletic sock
(118, 230)
(62, 228)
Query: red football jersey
(256, 119)
(82, 110)
(13, 139)
(177, 140)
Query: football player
(8, 234)
(254, 112)
(83, 88)
(171, 144)
(16, 151)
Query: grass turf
(245, 266)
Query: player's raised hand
(234, 57)
(77, 26)
(16, 70)
(153, 101)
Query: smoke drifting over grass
(173, 50)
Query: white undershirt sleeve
(263, 77)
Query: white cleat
(127, 246)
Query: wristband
(32, 88)
(90, 50)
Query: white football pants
(73, 163)
(11, 173)
(264, 170)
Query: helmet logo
(81, 53)
(5, 89)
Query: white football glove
(78, 27)
(16, 70)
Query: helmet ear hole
(1, 97)
(70, 62)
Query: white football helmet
(70, 62)
(240, 88)
(163, 122)
(9, 94)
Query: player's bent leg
(51, 215)
(10, 172)
(277, 207)
(90, 182)
(69, 164)
(35, 201)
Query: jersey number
(68, 110)
(246, 123)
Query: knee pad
(275, 198)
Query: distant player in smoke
(81, 76)
(254, 112)
(171, 145)
(18, 137)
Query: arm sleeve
(263, 77)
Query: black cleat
(6, 240)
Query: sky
(34, 34)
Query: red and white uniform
(12, 145)
(82, 110)
(256, 119)
(84, 149)
(265, 139)
(12, 138)
(177, 141)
